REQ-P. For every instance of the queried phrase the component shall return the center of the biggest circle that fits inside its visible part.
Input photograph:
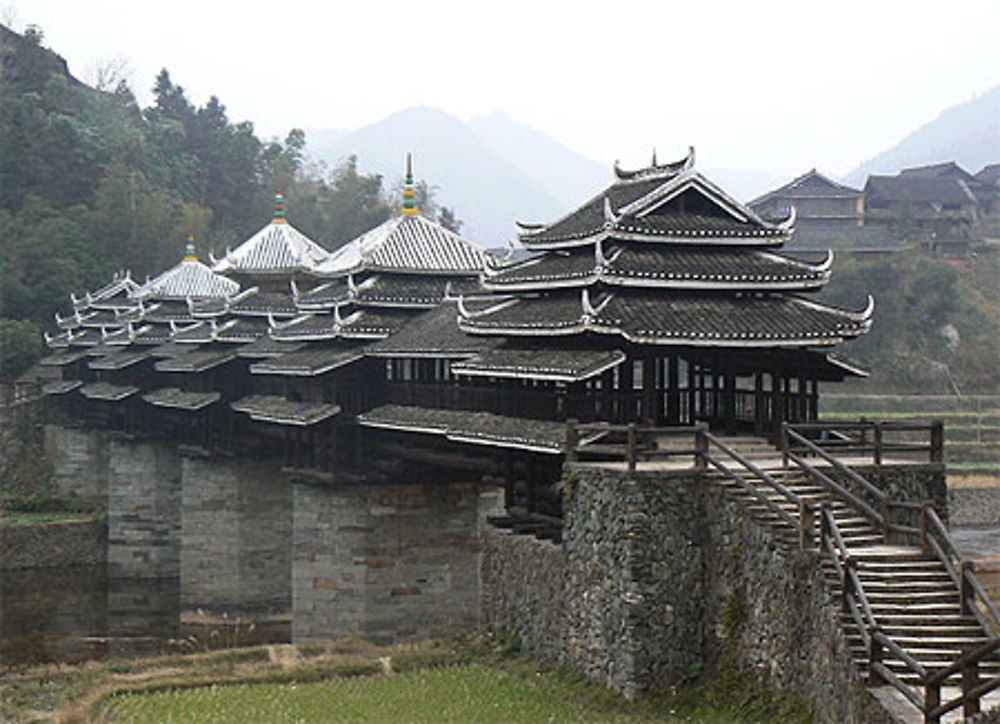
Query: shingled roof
(671, 202)
(406, 243)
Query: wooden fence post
(932, 700)
(874, 657)
(572, 440)
(970, 680)
(925, 526)
(630, 451)
(701, 449)
(806, 522)
(877, 453)
(784, 444)
(966, 601)
(937, 441)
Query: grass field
(442, 681)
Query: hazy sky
(770, 85)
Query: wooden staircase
(907, 593)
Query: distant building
(818, 202)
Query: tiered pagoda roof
(277, 249)
(664, 257)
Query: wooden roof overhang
(640, 317)
(197, 361)
(361, 324)
(119, 360)
(662, 267)
(540, 363)
(61, 359)
(107, 392)
(281, 411)
(432, 335)
(60, 387)
(312, 361)
(175, 398)
(266, 346)
(475, 428)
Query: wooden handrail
(878, 446)
(840, 491)
(837, 465)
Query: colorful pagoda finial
(190, 253)
(279, 206)
(409, 194)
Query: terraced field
(972, 425)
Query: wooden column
(778, 383)
(730, 403)
(673, 390)
(692, 393)
(759, 412)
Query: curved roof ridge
(277, 246)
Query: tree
(20, 346)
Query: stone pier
(387, 562)
(144, 521)
(236, 537)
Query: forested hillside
(91, 183)
(937, 321)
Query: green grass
(513, 691)
(19, 518)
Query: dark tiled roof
(168, 311)
(705, 320)
(153, 334)
(655, 208)
(362, 324)
(60, 359)
(265, 346)
(434, 333)
(324, 295)
(540, 363)
(308, 362)
(119, 360)
(181, 400)
(198, 361)
(273, 408)
(107, 391)
(172, 349)
(277, 303)
(243, 329)
(943, 170)
(918, 189)
(402, 291)
(60, 387)
(479, 428)
(809, 185)
(641, 264)
(989, 175)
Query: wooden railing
(18, 393)
(632, 442)
(871, 438)
(933, 539)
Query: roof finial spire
(409, 194)
(190, 252)
(653, 165)
(279, 206)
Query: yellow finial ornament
(409, 194)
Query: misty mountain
(486, 191)
(566, 175)
(968, 133)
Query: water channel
(74, 614)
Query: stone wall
(660, 574)
(236, 536)
(49, 545)
(144, 521)
(767, 609)
(79, 458)
(974, 504)
(386, 562)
